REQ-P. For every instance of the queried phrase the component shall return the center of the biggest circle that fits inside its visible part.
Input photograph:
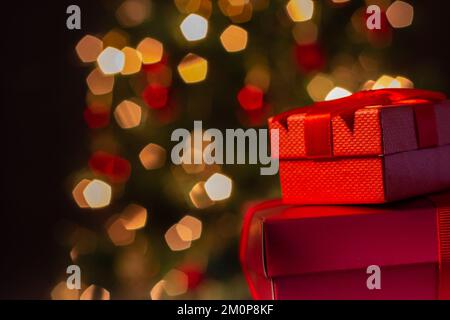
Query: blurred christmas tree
(148, 228)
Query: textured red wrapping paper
(322, 252)
(372, 147)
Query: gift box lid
(367, 123)
(281, 240)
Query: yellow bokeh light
(319, 87)
(128, 114)
(199, 197)
(151, 50)
(229, 9)
(111, 61)
(97, 194)
(218, 187)
(300, 10)
(336, 93)
(134, 217)
(152, 156)
(77, 193)
(99, 83)
(133, 61)
(176, 283)
(234, 38)
(133, 12)
(194, 27)
(174, 241)
(400, 14)
(193, 68)
(94, 292)
(193, 224)
(88, 48)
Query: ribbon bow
(318, 116)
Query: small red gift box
(323, 252)
(371, 147)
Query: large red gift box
(323, 252)
(371, 147)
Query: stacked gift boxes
(364, 183)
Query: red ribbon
(442, 204)
(317, 123)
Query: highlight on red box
(374, 146)
(325, 252)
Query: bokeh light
(128, 114)
(111, 61)
(218, 187)
(97, 194)
(319, 86)
(62, 292)
(193, 68)
(99, 83)
(94, 292)
(132, 13)
(194, 225)
(77, 193)
(89, 48)
(300, 10)
(176, 283)
(134, 217)
(152, 156)
(199, 197)
(133, 61)
(174, 241)
(337, 93)
(151, 50)
(250, 97)
(194, 27)
(234, 38)
(400, 14)
(118, 233)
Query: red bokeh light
(250, 97)
(117, 169)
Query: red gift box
(323, 252)
(371, 147)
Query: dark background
(42, 126)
